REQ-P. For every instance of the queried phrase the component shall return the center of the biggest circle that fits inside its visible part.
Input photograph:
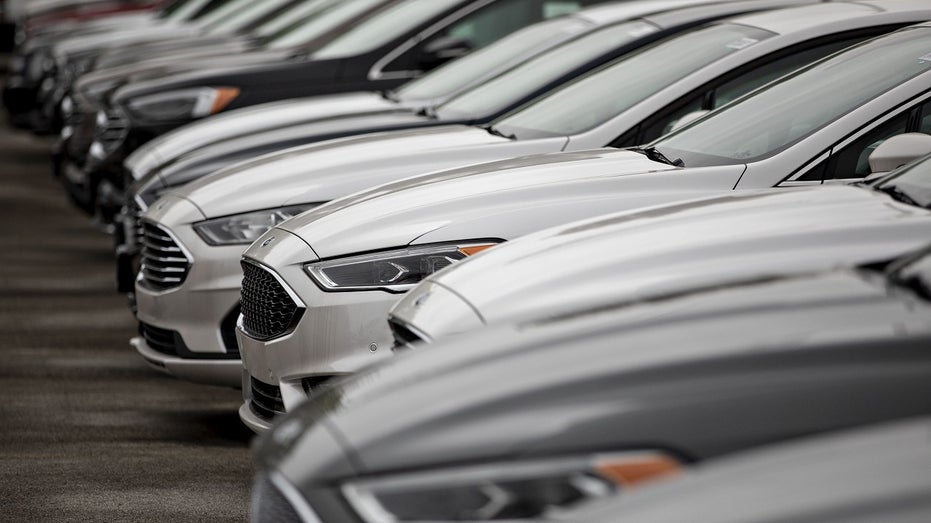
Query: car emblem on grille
(266, 242)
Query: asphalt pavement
(87, 431)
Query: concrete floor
(87, 431)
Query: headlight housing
(393, 271)
(504, 491)
(243, 229)
(182, 104)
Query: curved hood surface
(501, 200)
(224, 126)
(643, 253)
(621, 380)
(213, 157)
(333, 169)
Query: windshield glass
(603, 94)
(246, 15)
(784, 113)
(222, 13)
(289, 17)
(914, 182)
(385, 26)
(184, 10)
(319, 21)
(509, 88)
(473, 67)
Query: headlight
(243, 229)
(183, 104)
(397, 270)
(505, 491)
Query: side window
(480, 28)
(760, 76)
(852, 161)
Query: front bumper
(225, 373)
(337, 333)
(202, 309)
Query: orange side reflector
(635, 470)
(225, 95)
(475, 249)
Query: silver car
(339, 267)
(187, 293)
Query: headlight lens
(505, 491)
(183, 104)
(395, 271)
(242, 229)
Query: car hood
(333, 169)
(213, 157)
(246, 122)
(95, 85)
(501, 200)
(101, 41)
(647, 252)
(620, 379)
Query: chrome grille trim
(164, 263)
(112, 130)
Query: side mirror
(898, 151)
(443, 50)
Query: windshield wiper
(654, 154)
(390, 96)
(898, 194)
(495, 132)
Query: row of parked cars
(479, 260)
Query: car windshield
(605, 93)
(383, 27)
(241, 18)
(791, 109)
(459, 73)
(319, 21)
(911, 183)
(509, 88)
(184, 10)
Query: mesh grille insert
(267, 309)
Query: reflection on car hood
(664, 374)
(248, 120)
(502, 199)
(333, 169)
(675, 247)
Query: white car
(317, 288)
(187, 293)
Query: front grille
(268, 311)
(164, 264)
(111, 128)
(266, 399)
(161, 340)
(404, 337)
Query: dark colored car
(878, 473)
(33, 65)
(397, 42)
(525, 420)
